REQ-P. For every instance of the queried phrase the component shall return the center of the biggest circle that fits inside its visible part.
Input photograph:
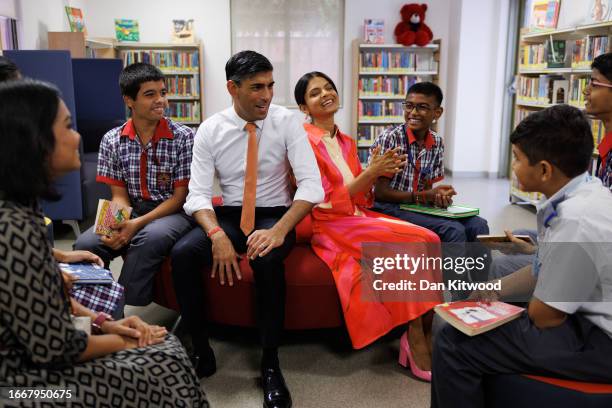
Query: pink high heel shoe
(405, 357)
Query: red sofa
(312, 299)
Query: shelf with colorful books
(382, 74)
(182, 65)
(553, 68)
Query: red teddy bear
(412, 29)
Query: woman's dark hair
(27, 139)
(561, 135)
(603, 64)
(136, 74)
(302, 84)
(8, 69)
(245, 64)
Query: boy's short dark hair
(603, 64)
(246, 64)
(8, 69)
(428, 89)
(560, 135)
(136, 74)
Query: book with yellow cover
(472, 318)
(109, 214)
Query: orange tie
(247, 218)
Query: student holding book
(598, 105)
(41, 347)
(342, 222)
(424, 149)
(567, 330)
(146, 162)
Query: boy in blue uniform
(567, 329)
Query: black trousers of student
(194, 251)
(576, 350)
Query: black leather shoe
(204, 362)
(276, 394)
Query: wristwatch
(99, 321)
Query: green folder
(453, 211)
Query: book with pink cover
(472, 318)
(109, 214)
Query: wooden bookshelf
(540, 76)
(181, 64)
(382, 74)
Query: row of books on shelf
(387, 86)
(366, 134)
(599, 131)
(543, 89)
(551, 89)
(364, 155)
(399, 60)
(577, 87)
(163, 59)
(380, 109)
(184, 111)
(587, 49)
(181, 85)
(553, 53)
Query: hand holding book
(509, 243)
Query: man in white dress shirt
(251, 144)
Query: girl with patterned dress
(342, 223)
(130, 363)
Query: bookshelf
(182, 65)
(553, 67)
(383, 73)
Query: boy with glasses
(424, 150)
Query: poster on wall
(75, 19)
(599, 10)
(182, 31)
(127, 30)
(544, 14)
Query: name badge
(164, 180)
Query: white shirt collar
(241, 123)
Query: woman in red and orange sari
(342, 223)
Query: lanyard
(423, 172)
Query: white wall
(476, 86)
(470, 31)
(37, 17)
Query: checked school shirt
(424, 165)
(151, 172)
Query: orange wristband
(213, 231)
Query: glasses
(595, 84)
(420, 107)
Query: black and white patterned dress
(39, 345)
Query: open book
(108, 214)
(453, 211)
(88, 273)
(473, 318)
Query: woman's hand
(81, 256)
(144, 334)
(69, 279)
(387, 163)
